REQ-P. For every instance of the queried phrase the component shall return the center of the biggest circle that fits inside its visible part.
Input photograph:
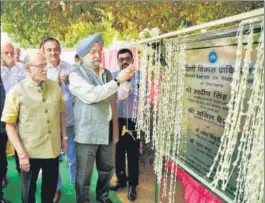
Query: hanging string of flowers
(159, 116)
(142, 90)
(251, 168)
(166, 82)
(136, 96)
(179, 60)
(179, 121)
(251, 136)
(232, 116)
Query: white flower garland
(249, 160)
(142, 90)
(167, 107)
(164, 114)
(251, 168)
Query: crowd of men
(49, 106)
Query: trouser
(3, 160)
(86, 154)
(50, 171)
(4, 140)
(71, 157)
(127, 144)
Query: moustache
(125, 65)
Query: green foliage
(27, 22)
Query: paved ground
(145, 190)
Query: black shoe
(2, 200)
(132, 193)
(4, 182)
(105, 200)
(118, 186)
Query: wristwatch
(118, 83)
(65, 137)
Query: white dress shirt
(90, 94)
(12, 76)
(63, 68)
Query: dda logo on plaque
(213, 57)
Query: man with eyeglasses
(34, 114)
(11, 73)
(95, 115)
(59, 70)
(128, 142)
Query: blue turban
(86, 44)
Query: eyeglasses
(124, 59)
(40, 66)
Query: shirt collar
(14, 66)
(60, 65)
(34, 84)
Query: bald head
(7, 44)
(7, 55)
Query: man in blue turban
(95, 113)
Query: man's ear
(42, 49)
(27, 68)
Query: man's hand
(24, 162)
(64, 145)
(126, 74)
(64, 78)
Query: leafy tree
(27, 22)
(171, 16)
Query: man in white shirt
(11, 74)
(95, 114)
(11, 71)
(59, 70)
(128, 142)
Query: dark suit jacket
(2, 102)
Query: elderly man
(35, 119)
(59, 71)
(128, 142)
(94, 88)
(11, 73)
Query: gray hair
(28, 58)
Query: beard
(96, 64)
(90, 63)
